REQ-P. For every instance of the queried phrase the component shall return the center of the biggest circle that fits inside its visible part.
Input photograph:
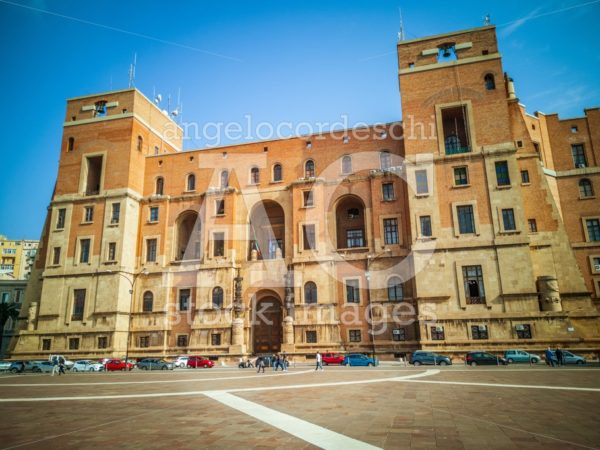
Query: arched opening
(585, 188)
(140, 143)
(267, 231)
(267, 319)
(309, 169)
(310, 293)
(254, 175)
(191, 182)
(350, 223)
(148, 302)
(224, 179)
(395, 289)
(160, 186)
(71, 144)
(489, 82)
(217, 297)
(277, 172)
(188, 236)
(385, 160)
(347, 165)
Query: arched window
(395, 290)
(191, 182)
(309, 169)
(585, 188)
(277, 172)
(148, 301)
(224, 179)
(347, 165)
(217, 297)
(140, 143)
(254, 175)
(489, 82)
(310, 292)
(385, 160)
(71, 144)
(160, 186)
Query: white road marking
(307, 431)
(523, 386)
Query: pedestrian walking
(55, 368)
(260, 364)
(319, 358)
(559, 356)
(549, 357)
(284, 362)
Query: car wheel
(443, 363)
(509, 360)
(473, 364)
(74, 369)
(36, 370)
(163, 368)
(534, 360)
(580, 362)
(91, 369)
(417, 363)
(205, 366)
(370, 365)
(13, 371)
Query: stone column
(549, 293)
(31, 316)
(237, 337)
(288, 335)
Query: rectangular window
(144, 341)
(56, 256)
(102, 342)
(455, 125)
(84, 254)
(60, 218)
(18, 295)
(399, 334)
(112, 251)
(479, 332)
(308, 236)
(508, 219)
(88, 215)
(461, 176)
(220, 207)
(390, 231)
(311, 337)
(116, 213)
(388, 191)
(525, 177)
(421, 179)
(352, 291)
(154, 214)
(355, 335)
(219, 244)
(437, 333)
(73, 343)
(502, 176)
(593, 229)
(523, 331)
(151, 250)
(466, 220)
(308, 198)
(78, 304)
(94, 175)
(425, 222)
(532, 225)
(184, 299)
(578, 153)
(596, 264)
(182, 340)
(215, 339)
(46, 344)
(354, 238)
(474, 290)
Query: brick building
(448, 230)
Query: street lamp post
(370, 259)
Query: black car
(484, 358)
(420, 357)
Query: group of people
(554, 358)
(279, 361)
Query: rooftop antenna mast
(487, 20)
(132, 71)
(401, 32)
(177, 111)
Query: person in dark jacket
(559, 356)
(549, 357)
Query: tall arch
(267, 230)
(188, 236)
(350, 223)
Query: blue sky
(278, 61)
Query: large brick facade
(450, 231)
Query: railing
(475, 300)
(457, 150)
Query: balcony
(454, 150)
(475, 300)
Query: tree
(8, 310)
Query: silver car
(87, 365)
(42, 367)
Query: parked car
(570, 358)
(430, 358)
(155, 364)
(181, 361)
(194, 362)
(42, 367)
(332, 358)
(484, 358)
(5, 365)
(116, 364)
(520, 356)
(18, 366)
(60, 358)
(87, 365)
(358, 359)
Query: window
(390, 231)
(395, 290)
(308, 235)
(140, 143)
(182, 340)
(116, 213)
(310, 293)
(220, 207)
(585, 188)
(191, 182)
(508, 219)
(353, 213)
(154, 214)
(224, 179)
(46, 344)
(112, 251)
(354, 335)
(148, 302)
(18, 295)
(308, 198)
(399, 334)
(425, 226)
(578, 153)
(217, 297)
(593, 229)
(60, 218)
(311, 337)
(144, 341)
(156, 150)
(461, 177)
(385, 160)
(88, 214)
(184, 299)
(347, 165)
(94, 175)
(520, 144)
(489, 82)
(525, 177)
(421, 179)
(596, 264)
(215, 339)
(466, 220)
(354, 238)
(56, 256)
(151, 250)
(78, 304)
(84, 251)
(309, 169)
(502, 177)
(100, 109)
(71, 144)
(102, 342)
(479, 332)
(574, 129)
(455, 127)
(473, 279)
(277, 172)
(160, 185)
(73, 343)
(219, 244)
(523, 331)
(388, 191)
(532, 225)
(437, 333)
(254, 175)
(352, 291)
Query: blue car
(358, 359)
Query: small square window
(532, 225)
(154, 214)
(182, 340)
(144, 341)
(308, 198)
(437, 333)
(388, 191)
(311, 337)
(73, 343)
(355, 335)
(479, 332)
(220, 207)
(523, 331)
(215, 339)
(88, 215)
(46, 344)
(520, 144)
(574, 129)
(399, 334)
(102, 342)
(525, 177)
(461, 176)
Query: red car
(199, 361)
(117, 364)
(332, 358)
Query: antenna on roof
(177, 109)
(132, 70)
(401, 32)
(487, 20)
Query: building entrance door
(267, 325)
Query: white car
(87, 365)
(5, 365)
(181, 361)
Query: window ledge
(307, 206)
(461, 186)
(509, 232)
(426, 238)
(591, 197)
(110, 262)
(426, 194)
(59, 229)
(276, 182)
(503, 187)
(151, 221)
(113, 225)
(219, 215)
(388, 200)
(526, 184)
(54, 266)
(87, 223)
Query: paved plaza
(390, 406)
